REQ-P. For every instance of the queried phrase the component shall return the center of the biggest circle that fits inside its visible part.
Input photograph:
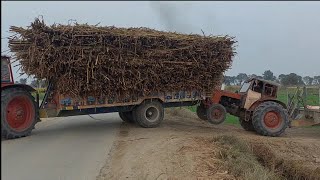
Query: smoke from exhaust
(174, 17)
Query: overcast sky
(281, 36)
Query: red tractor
(255, 104)
(19, 109)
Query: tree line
(34, 83)
(291, 79)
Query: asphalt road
(70, 148)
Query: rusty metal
(217, 114)
(272, 119)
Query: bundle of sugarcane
(86, 60)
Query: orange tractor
(255, 104)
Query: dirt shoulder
(183, 147)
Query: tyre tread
(138, 114)
(257, 116)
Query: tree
(226, 80)
(39, 83)
(252, 76)
(34, 83)
(308, 80)
(229, 80)
(241, 77)
(23, 81)
(291, 79)
(316, 80)
(281, 76)
(255, 76)
(268, 75)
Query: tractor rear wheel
(19, 113)
(216, 114)
(246, 125)
(270, 119)
(126, 116)
(149, 114)
(202, 112)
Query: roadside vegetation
(241, 161)
(255, 160)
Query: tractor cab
(263, 87)
(255, 89)
(6, 72)
(252, 91)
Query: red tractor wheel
(19, 113)
(216, 114)
(270, 119)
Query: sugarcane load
(83, 60)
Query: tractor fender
(257, 103)
(22, 86)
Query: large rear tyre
(216, 114)
(202, 112)
(19, 113)
(270, 119)
(149, 114)
(246, 125)
(126, 116)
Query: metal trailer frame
(55, 104)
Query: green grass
(241, 161)
(41, 95)
(311, 99)
(232, 120)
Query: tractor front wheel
(270, 119)
(19, 113)
(216, 114)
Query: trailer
(147, 111)
(20, 110)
